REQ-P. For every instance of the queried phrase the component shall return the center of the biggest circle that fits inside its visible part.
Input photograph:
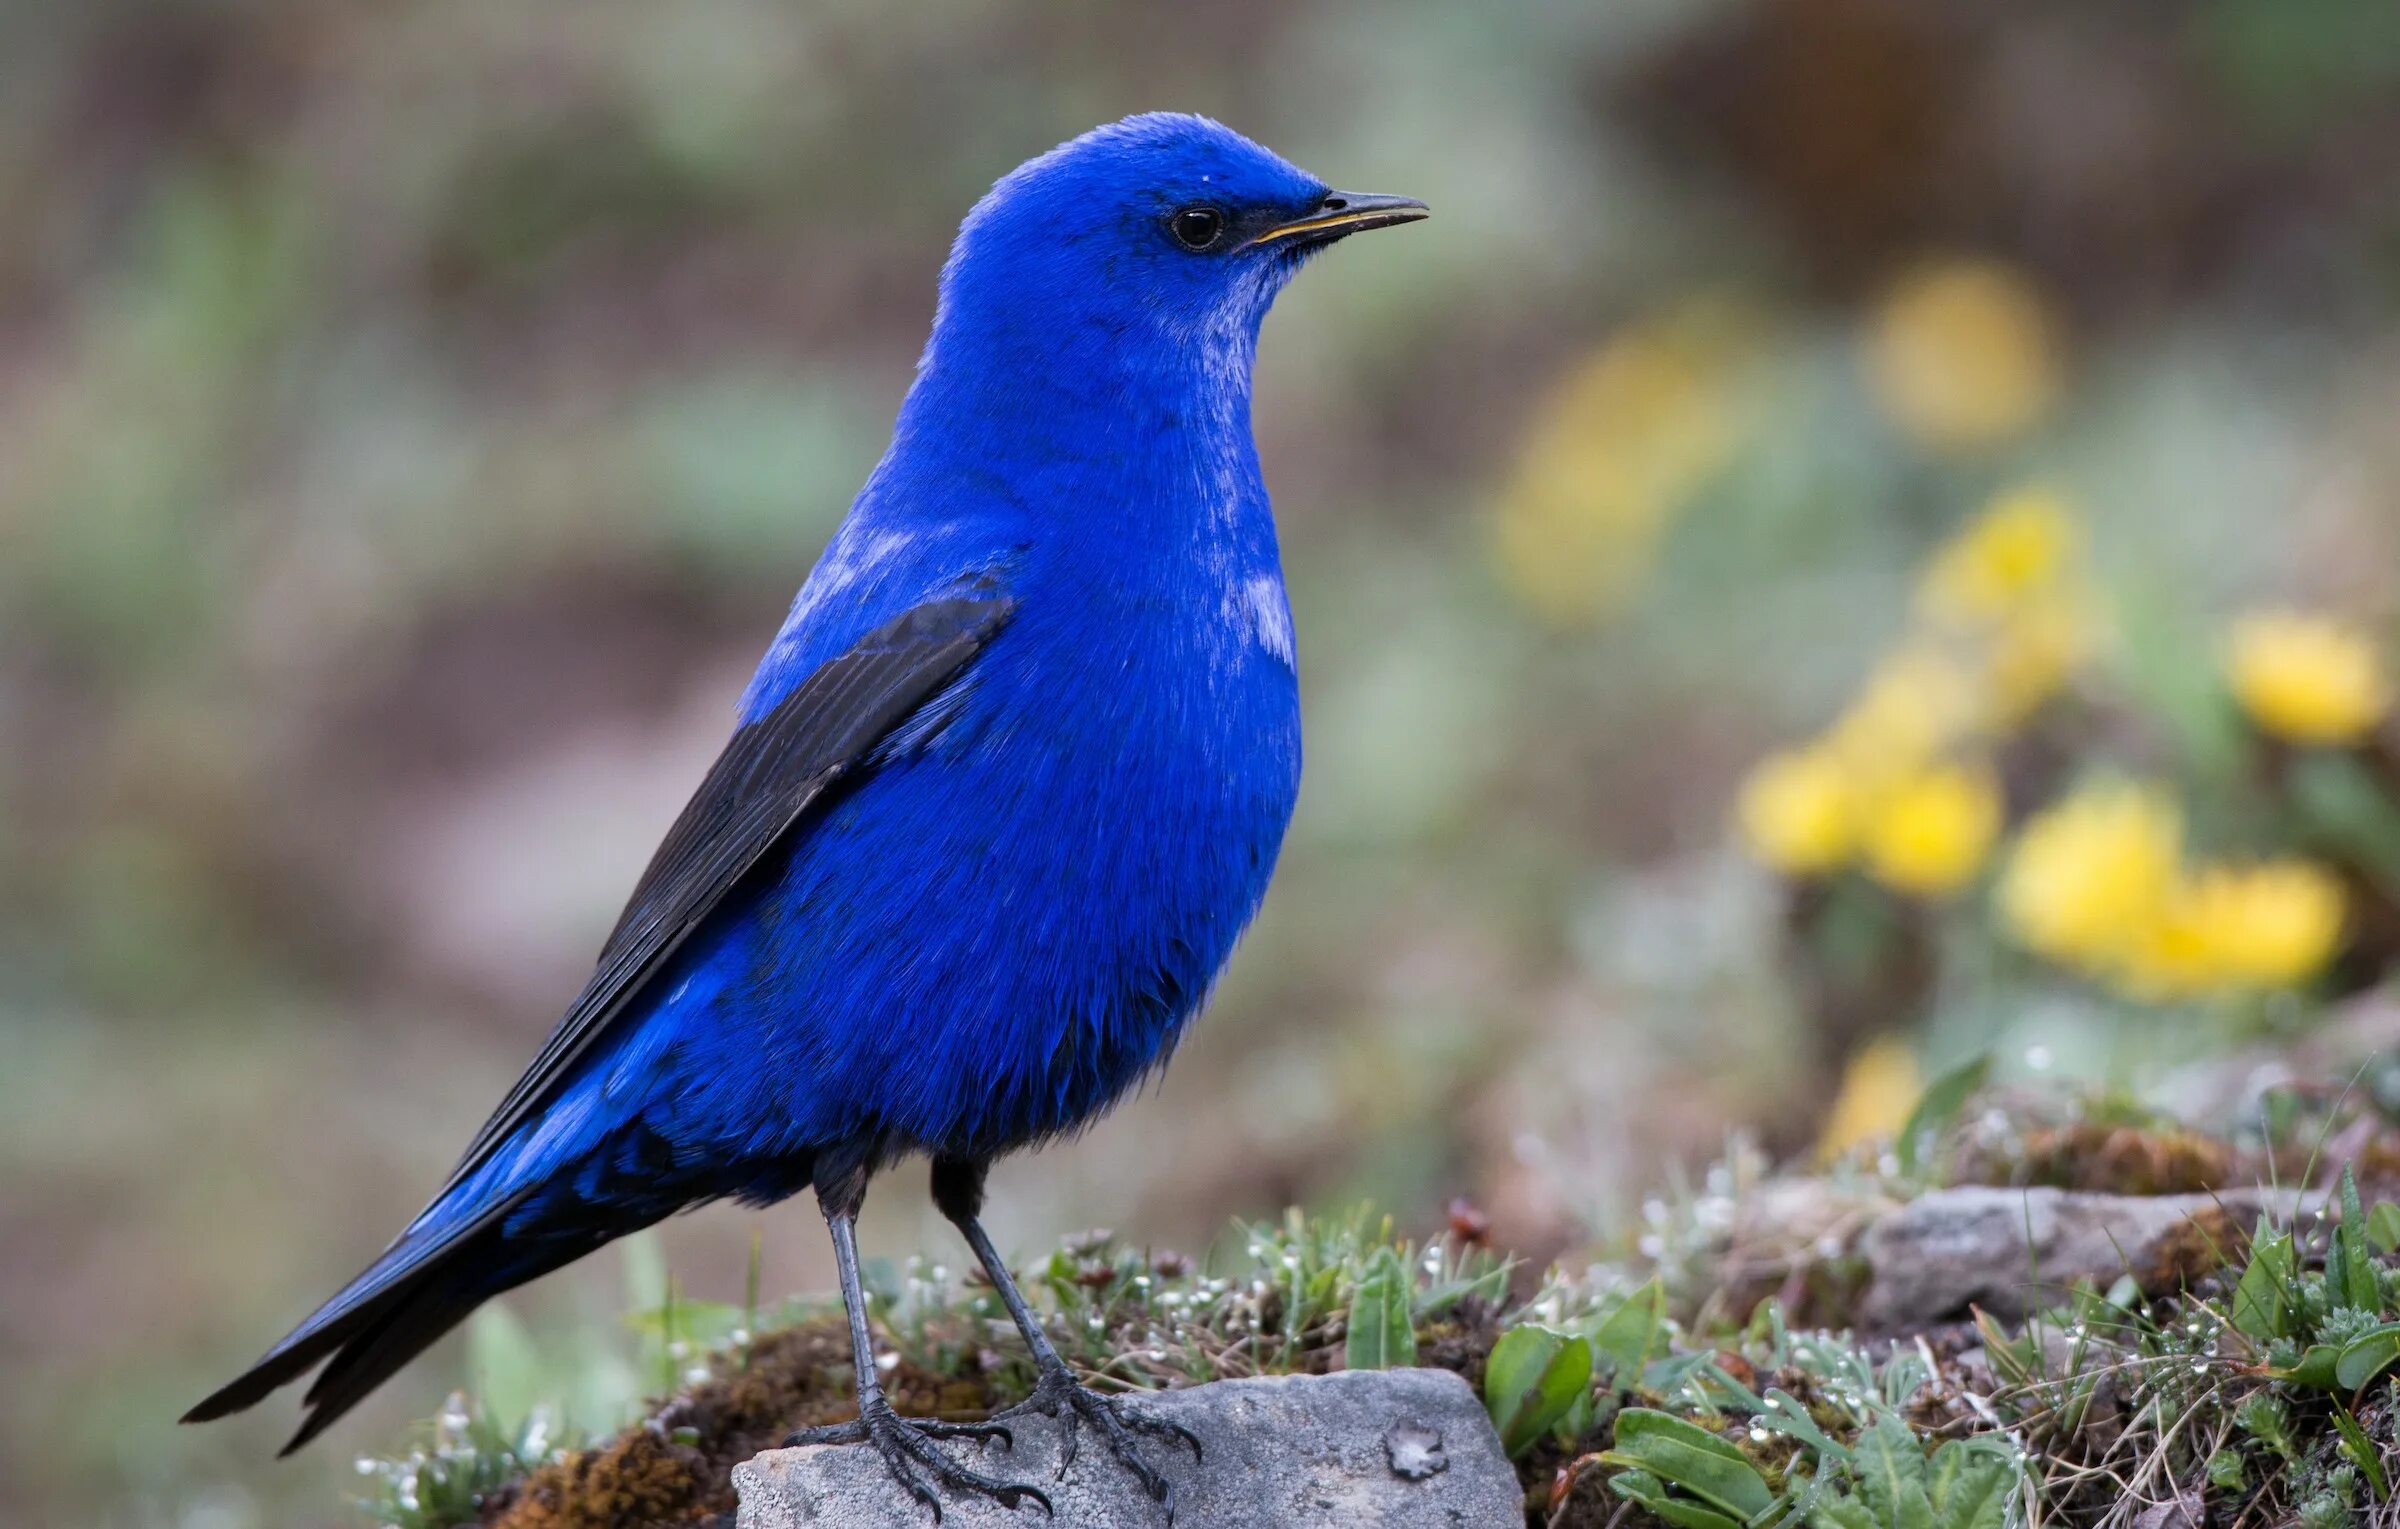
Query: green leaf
(509, 1376)
(1490, 1286)
(2347, 811)
(2383, 1226)
(1639, 1486)
(2015, 1360)
(1844, 1513)
(1532, 1378)
(700, 1323)
(2262, 1299)
(1691, 1458)
(1890, 1464)
(1671, 1372)
(1576, 1421)
(2226, 1471)
(1686, 1514)
(1912, 1509)
(2359, 1289)
(1942, 1474)
(1630, 1335)
(2361, 1451)
(1381, 1336)
(1722, 1390)
(2367, 1355)
(1968, 1486)
(1785, 1415)
(2319, 1366)
(2267, 1418)
(1943, 1098)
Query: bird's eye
(1196, 228)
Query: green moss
(676, 1465)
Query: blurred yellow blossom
(2035, 652)
(2176, 954)
(2307, 678)
(2022, 547)
(1880, 1088)
(2276, 923)
(2006, 617)
(1617, 450)
(2233, 928)
(1798, 814)
(2091, 875)
(2095, 882)
(1929, 834)
(2011, 588)
(1919, 701)
(1964, 354)
(1574, 541)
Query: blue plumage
(1008, 784)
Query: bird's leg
(958, 1191)
(906, 1444)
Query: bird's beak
(1343, 213)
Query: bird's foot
(1059, 1395)
(910, 1454)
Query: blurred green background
(414, 418)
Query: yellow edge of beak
(1313, 225)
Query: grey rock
(2014, 1251)
(1404, 1449)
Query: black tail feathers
(393, 1312)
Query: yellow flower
(1930, 833)
(2276, 923)
(2021, 547)
(1919, 701)
(2177, 956)
(2307, 678)
(1964, 355)
(1880, 1088)
(1617, 450)
(1797, 812)
(2035, 652)
(2235, 928)
(1577, 534)
(2091, 874)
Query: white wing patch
(844, 566)
(852, 562)
(1268, 615)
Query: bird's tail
(422, 1286)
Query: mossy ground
(2206, 1375)
(676, 1466)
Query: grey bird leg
(906, 1444)
(958, 1192)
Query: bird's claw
(855, 1432)
(908, 1451)
(1060, 1396)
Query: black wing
(758, 789)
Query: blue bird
(1003, 793)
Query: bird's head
(1162, 224)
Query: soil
(796, 1378)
